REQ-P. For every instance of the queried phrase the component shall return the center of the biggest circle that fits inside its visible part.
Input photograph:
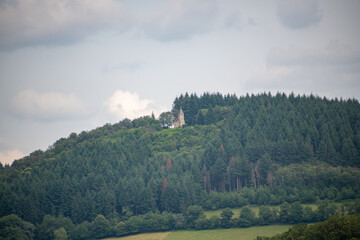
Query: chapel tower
(180, 121)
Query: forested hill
(289, 128)
(232, 151)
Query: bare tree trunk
(257, 174)
(223, 185)
(269, 179)
(204, 185)
(209, 181)
(253, 178)
(229, 178)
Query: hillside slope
(233, 151)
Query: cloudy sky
(73, 65)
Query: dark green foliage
(267, 215)
(218, 200)
(150, 222)
(247, 217)
(340, 227)
(100, 227)
(192, 214)
(294, 213)
(60, 234)
(233, 151)
(166, 119)
(179, 221)
(50, 225)
(325, 210)
(309, 215)
(82, 231)
(13, 227)
(202, 223)
(226, 216)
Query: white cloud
(297, 14)
(7, 157)
(178, 19)
(51, 106)
(36, 22)
(124, 104)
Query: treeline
(288, 128)
(69, 143)
(337, 227)
(111, 176)
(250, 150)
(12, 227)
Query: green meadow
(217, 234)
(255, 209)
(223, 234)
(143, 236)
(229, 234)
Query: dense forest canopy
(233, 151)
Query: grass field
(255, 209)
(228, 234)
(143, 236)
(217, 234)
(221, 234)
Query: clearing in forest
(229, 234)
(143, 236)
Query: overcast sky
(73, 65)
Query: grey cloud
(5, 144)
(179, 19)
(251, 21)
(127, 66)
(335, 54)
(49, 106)
(319, 80)
(41, 22)
(332, 71)
(234, 20)
(297, 14)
